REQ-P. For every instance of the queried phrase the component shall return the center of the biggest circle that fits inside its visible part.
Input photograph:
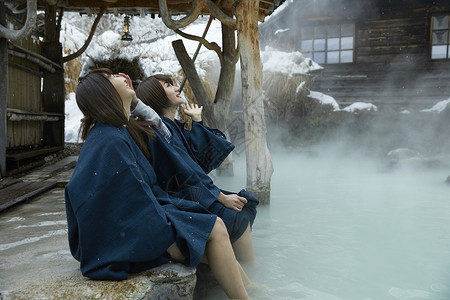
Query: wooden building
(392, 53)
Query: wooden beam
(53, 83)
(172, 4)
(3, 92)
(40, 57)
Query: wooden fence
(24, 101)
(28, 133)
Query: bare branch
(88, 41)
(211, 18)
(26, 29)
(220, 15)
(197, 6)
(211, 46)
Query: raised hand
(193, 111)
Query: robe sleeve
(179, 175)
(208, 145)
(115, 224)
(149, 114)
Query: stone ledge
(169, 281)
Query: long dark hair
(99, 101)
(151, 92)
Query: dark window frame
(440, 38)
(315, 42)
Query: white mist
(349, 228)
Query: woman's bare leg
(175, 254)
(220, 257)
(244, 276)
(223, 263)
(243, 247)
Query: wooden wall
(392, 44)
(24, 94)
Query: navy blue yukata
(182, 166)
(119, 220)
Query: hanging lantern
(126, 32)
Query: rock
(169, 281)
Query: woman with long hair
(119, 220)
(182, 158)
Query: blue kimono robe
(181, 168)
(205, 145)
(119, 220)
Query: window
(328, 44)
(439, 38)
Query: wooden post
(53, 87)
(259, 161)
(3, 92)
(224, 91)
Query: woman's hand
(232, 201)
(193, 111)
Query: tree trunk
(192, 76)
(222, 100)
(259, 162)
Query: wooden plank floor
(22, 191)
(16, 190)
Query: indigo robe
(119, 220)
(180, 173)
(207, 146)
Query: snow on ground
(357, 106)
(438, 107)
(324, 99)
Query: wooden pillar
(259, 161)
(224, 91)
(3, 92)
(53, 83)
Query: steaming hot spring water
(349, 228)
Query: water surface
(350, 228)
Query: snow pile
(281, 31)
(73, 119)
(438, 107)
(71, 38)
(357, 106)
(152, 42)
(324, 99)
(287, 62)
